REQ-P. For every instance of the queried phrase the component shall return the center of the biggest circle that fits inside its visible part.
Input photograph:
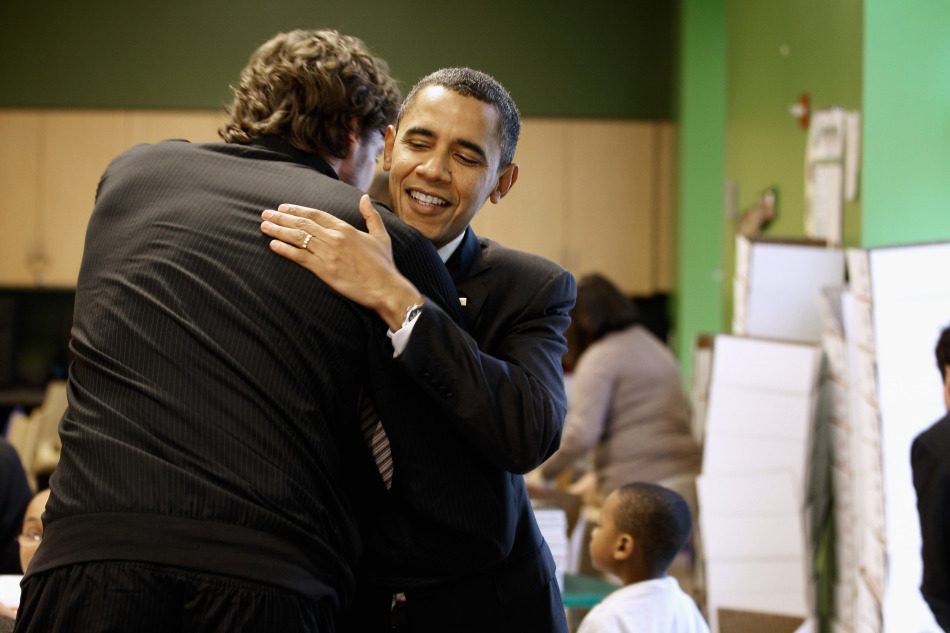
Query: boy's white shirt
(650, 606)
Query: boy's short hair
(658, 519)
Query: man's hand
(358, 265)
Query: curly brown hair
(312, 88)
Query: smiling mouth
(427, 199)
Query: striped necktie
(375, 436)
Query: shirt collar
(283, 146)
(449, 249)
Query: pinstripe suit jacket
(213, 397)
(459, 510)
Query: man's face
(357, 169)
(443, 163)
(604, 538)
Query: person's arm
(933, 506)
(357, 264)
(507, 401)
(586, 414)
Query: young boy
(642, 528)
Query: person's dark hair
(599, 310)
(658, 519)
(942, 352)
(308, 87)
(485, 88)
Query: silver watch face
(412, 313)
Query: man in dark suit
(15, 495)
(454, 546)
(930, 463)
(213, 401)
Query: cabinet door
(532, 217)
(594, 196)
(152, 126)
(50, 165)
(19, 175)
(664, 269)
(612, 200)
(76, 147)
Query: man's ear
(388, 143)
(623, 548)
(506, 180)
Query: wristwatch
(412, 312)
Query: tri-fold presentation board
(896, 308)
(777, 283)
(761, 402)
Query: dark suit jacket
(930, 463)
(213, 398)
(15, 495)
(459, 515)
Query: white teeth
(426, 199)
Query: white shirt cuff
(400, 337)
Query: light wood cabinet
(50, 165)
(594, 196)
(19, 184)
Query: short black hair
(657, 518)
(474, 83)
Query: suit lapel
(466, 266)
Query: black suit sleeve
(417, 259)
(932, 484)
(506, 397)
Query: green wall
(742, 64)
(777, 52)
(906, 122)
(701, 114)
(606, 59)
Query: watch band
(412, 312)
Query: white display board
(758, 430)
(777, 285)
(909, 304)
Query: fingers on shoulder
(304, 217)
(288, 250)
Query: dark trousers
(120, 597)
(520, 597)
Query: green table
(583, 592)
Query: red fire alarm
(801, 110)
